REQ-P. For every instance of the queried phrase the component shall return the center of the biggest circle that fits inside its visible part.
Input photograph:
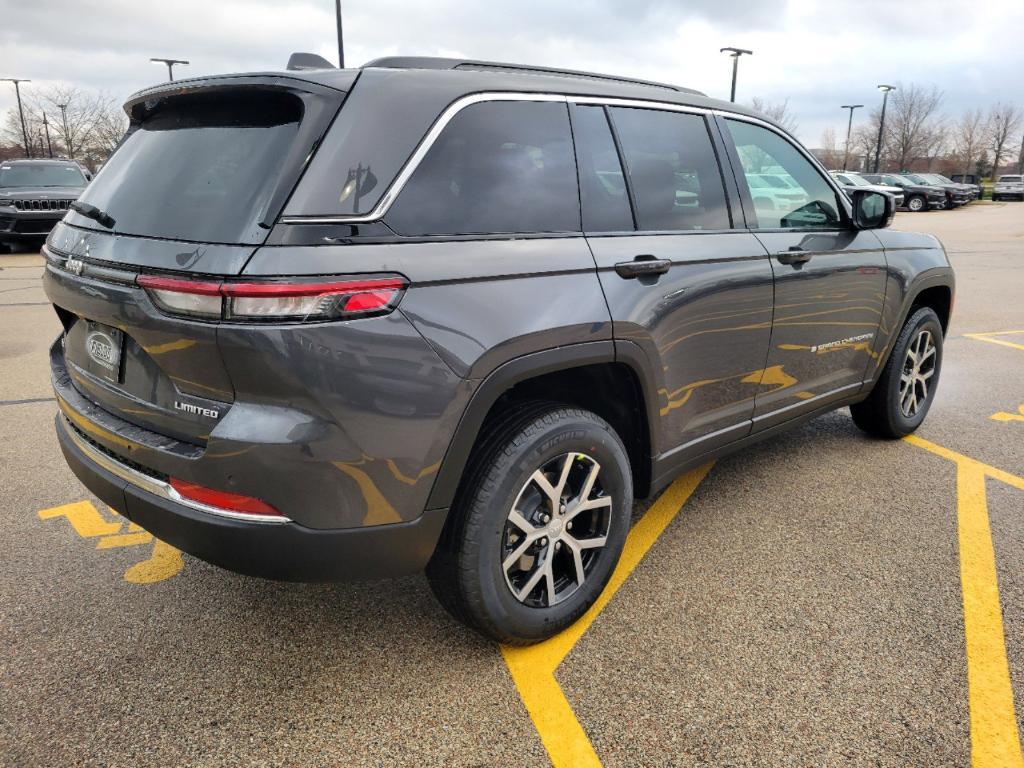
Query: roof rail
(432, 62)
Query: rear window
(201, 167)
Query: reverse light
(277, 301)
(224, 500)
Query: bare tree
(830, 155)
(968, 139)
(779, 112)
(913, 128)
(83, 125)
(1003, 122)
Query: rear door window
(603, 194)
(810, 203)
(200, 168)
(499, 167)
(673, 171)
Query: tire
(467, 572)
(917, 204)
(890, 411)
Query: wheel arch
(589, 375)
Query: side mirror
(872, 210)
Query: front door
(829, 277)
(681, 284)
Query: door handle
(795, 255)
(642, 266)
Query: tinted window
(43, 175)
(810, 202)
(673, 171)
(602, 184)
(498, 167)
(201, 168)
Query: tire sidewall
(566, 436)
(923, 319)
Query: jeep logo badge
(102, 350)
(74, 266)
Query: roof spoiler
(299, 61)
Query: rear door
(829, 278)
(685, 286)
(190, 191)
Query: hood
(40, 193)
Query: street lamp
(881, 123)
(341, 47)
(849, 127)
(735, 53)
(170, 66)
(46, 127)
(67, 137)
(21, 111)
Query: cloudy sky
(818, 55)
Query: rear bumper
(286, 551)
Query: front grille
(115, 456)
(42, 205)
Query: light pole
(881, 123)
(46, 127)
(341, 47)
(67, 138)
(735, 53)
(849, 127)
(170, 66)
(21, 111)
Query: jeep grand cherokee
(456, 315)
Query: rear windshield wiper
(94, 213)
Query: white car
(1009, 186)
(848, 179)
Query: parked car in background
(34, 196)
(917, 197)
(971, 180)
(772, 193)
(852, 181)
(956, 194)
(1011, 186)
(938, 178)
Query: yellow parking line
(988, 337)
(533, 668)
(995, 741)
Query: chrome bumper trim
(158, 487)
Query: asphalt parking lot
(816, 600)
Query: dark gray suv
(457, 315)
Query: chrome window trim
(158, 487)
(427, 142)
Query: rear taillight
(277, 301)
(223, 500)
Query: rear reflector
(307, 301)
(223, 500)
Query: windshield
(62, 175)
(202, 168)
(1010, 179)
(943, 179)
(919, 179)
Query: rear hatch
(191, 191)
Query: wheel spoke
(549, 579)
(560, 488)
(594, 543)
(588, 485)
(539, 479)
(928, 352)
(539, 572)
(577, 559)
(926, 374)
(519, 551)
(516, 518)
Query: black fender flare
(510, 373)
